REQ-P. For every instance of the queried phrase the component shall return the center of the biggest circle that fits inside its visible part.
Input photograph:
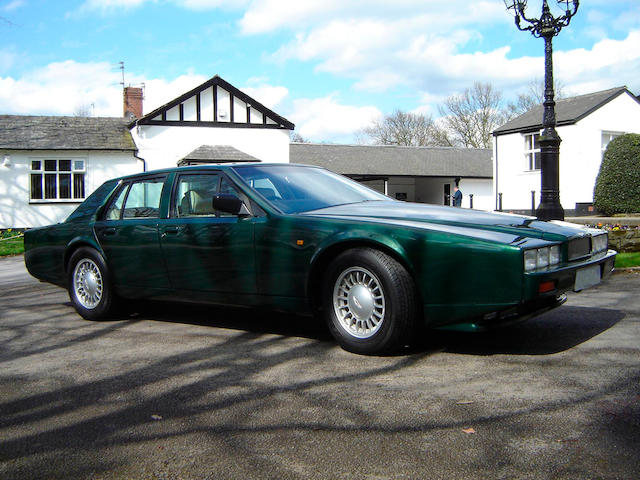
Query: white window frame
(530, 151)
(611, 135)
(37, 167)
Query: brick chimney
(132, 102)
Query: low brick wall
(625, 240)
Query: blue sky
(330, 66)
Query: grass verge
(12, 246)
(625, 260)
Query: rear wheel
(369, 301)
(88, 284)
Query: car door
(206, 250)
(128, 234)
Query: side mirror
(229, 203)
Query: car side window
(194, 195)
(114, 210)
(143, 199)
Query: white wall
(580, 157)
(482, 190)
(165, 146)
(16, 210)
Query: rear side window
(114, 210)
(139, 199)
(143, 199)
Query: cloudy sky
(329, 66)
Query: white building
(49, 165)
(586, 125)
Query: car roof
(212, 166)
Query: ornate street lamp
(547, 27)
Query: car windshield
(295, 189)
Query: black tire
(369, 302)
(89, 284)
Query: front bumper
(534, 302)
(563, 278)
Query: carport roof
(216, 154)
(392, 160)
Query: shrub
(617, 188)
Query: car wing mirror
(229, 203)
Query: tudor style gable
(215, 103)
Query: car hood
(456, 219)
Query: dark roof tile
(21, 132)
(568, 111)
(387, 160)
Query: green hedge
(617, 187)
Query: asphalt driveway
(192, 392)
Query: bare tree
(82, 110)
(297, 138)
(533, 97)
(470, 117)
(407, 129)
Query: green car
(302, 239)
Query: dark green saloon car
(303, 239)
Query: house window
(57, 180)
(607, 137)
(532, 151)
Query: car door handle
(172, 230)
(109, 231)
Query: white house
(49, 165)
(415, 174)
(586, 125)
(213, 114)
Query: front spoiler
(516, 314)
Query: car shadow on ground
(553, 332)
(254, 320)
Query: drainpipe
(495, 150)
(144, 162)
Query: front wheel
(369, 302)
(88, 284)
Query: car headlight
(539, 258)
(530, 260)
(542, 258)
(599, 243)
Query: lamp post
(547, 27)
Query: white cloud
(13, 5)
(211, 4)
(608, 64)
(112, 6)
(106, 5)
(59, 88)
(270, 15)
(268, 95)
(325, 118)
(159, 91)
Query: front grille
(579, 247)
